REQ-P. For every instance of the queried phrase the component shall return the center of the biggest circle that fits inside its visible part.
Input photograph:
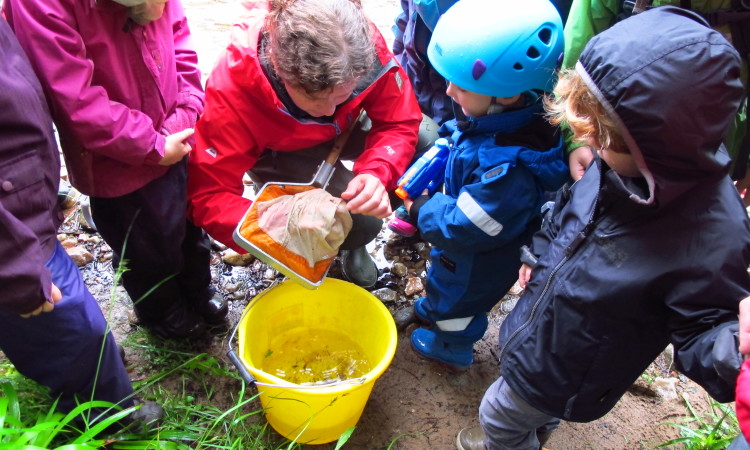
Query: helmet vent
(518, 66)
(533, 53)
(545, 35)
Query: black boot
(358, 267)
(178, 323)
(214, 310)
(145, 419)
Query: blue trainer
(429, 345)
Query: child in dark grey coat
(650, 247)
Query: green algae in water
(314, 357)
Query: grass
(29, 420)
(714, 430)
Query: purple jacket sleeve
(29, 174)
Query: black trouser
(167, 257)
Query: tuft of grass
(190, 423)
(51, 429)
(713, 431)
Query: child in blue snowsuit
(503, 159)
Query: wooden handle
(340, 141)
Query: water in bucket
(315, 357)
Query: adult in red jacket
(295, 74)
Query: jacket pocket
(18, 177)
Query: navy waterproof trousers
(70, 349)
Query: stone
(413, 285)
(69, 243)
(235, 259)
(666, 388)
(385, 295)
(404, 317)
(80, 256)
(399, 269)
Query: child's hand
(524, 275)
(579, 160)
(47, 306)
(176, 147)
(407, 204)
(365, 194)
(745, 326)
(408, 201)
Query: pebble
(80, 256)
(235, 259)
(399, 269)
(404, 317)
(666, 388)
(413, 286)
(386, 295)
(69, 243)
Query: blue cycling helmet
(499, 48)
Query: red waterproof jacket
(742, 399)
(243, 117)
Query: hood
(673, 86)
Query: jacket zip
(568, 252)
(533, 309)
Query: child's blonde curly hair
(573, 103)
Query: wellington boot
(419, 310)
(358, 267)
(429, 345)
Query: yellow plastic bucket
(316, 414)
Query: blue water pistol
(427, 172)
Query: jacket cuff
(415, 206)
(726, 354)
(527, 256)
(157, 151)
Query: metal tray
(268, 259)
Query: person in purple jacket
(125, 93)
(51, 327)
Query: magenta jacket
(115, 88)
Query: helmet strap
(495, 107)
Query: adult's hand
(47, 306)
(579, 160)
(366, 195)
(176, 147)
(745, 326)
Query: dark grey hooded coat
(628, 265)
